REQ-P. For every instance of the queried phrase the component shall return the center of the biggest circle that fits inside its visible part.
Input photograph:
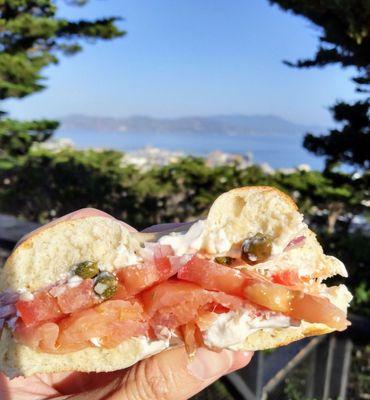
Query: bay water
(278, 150)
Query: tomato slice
(213, 276)
(121, 293)
(287, 278)
(175, 303)
(43, 307)
(73, 299)
(162, 262)
(169, 293)
(136, 278)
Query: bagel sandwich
(91, 294)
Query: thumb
(170, 375)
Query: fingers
(31, 388)
(167, 376)
(73, 383)
(170, 376)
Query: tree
(31, 38)
(351, 144)
(344, 40)
(345, 37)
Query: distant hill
(229, 124)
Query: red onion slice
(8, 298)
(297, 242)
(7, 311)
(179, 261)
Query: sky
(191, 57)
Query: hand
(170, 375)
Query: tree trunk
(335, 209)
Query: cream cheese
(185, 243)
(74, 281)
(25, 295)
(100, 288)
(96, 341)
(197, 238)
(151, 347)
(231, 329)
(125, 257)
(215, 240)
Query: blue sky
(192, 57)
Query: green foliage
(31, 38)
(345, 33)
(354, 250)
(292, 390)
(351, 144)
(345, 40)
(217, 391)
(359, 387)
(177, 191)
(44, 184)
(16, 137)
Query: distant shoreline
(222, 124)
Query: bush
(45, 184)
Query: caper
(106, 285)
(87, 269)
(224, 260)
(256, 249)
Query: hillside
(229, 124)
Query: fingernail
(208, 364)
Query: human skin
(169, 375)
